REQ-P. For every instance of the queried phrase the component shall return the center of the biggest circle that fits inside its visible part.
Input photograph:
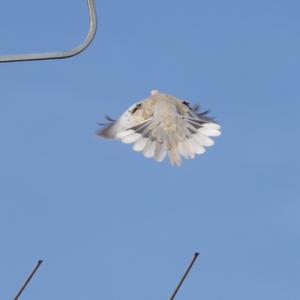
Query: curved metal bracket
(60, 54)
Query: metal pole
(60, 54)
(28, 279)
(184, 276)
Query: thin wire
(184, 275)
(60, 54)
(28, 279)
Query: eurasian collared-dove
(162, 124)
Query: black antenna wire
(184, 275)
(28, 279)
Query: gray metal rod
(28, 279)
(60, 54)
(184, 276)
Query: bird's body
(162, 124)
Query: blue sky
(111, 224)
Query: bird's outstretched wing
(114, 127)
(186, 133)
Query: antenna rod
(185, 275)
(28, 279)
(60, 54)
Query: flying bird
(162, 124)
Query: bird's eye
(138, 106)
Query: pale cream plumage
(162, 124)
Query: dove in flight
(162, 124)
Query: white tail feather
(131, 138)
(203, 139)
(212, 126)
(123, 134)
(209, 131)
(160, 152)
(149, 148)
(140, 144)
(197, 147)
(174, 156)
